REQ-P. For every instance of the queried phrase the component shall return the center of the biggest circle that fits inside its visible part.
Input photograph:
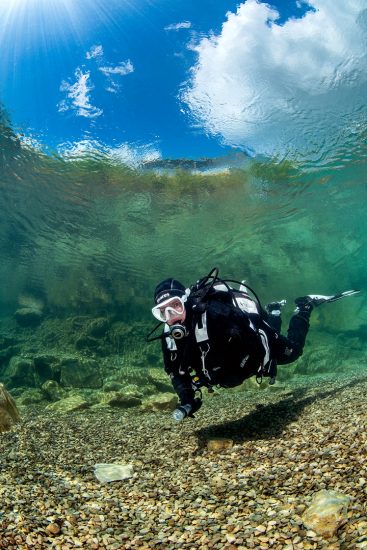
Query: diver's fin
(318, 299)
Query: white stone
(113, 472)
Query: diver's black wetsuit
(225, 345)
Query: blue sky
(175, 78)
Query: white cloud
(78, 96)
(276, 88)
(112, 88)
(122, 69)
(113, 72)
(95, 52)
(178, 26)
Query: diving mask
(170, 310)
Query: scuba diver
(217, 335)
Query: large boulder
(93, 335)
(20, 371)
(80, 373)
(320, 359)
(160, 379)
(28, 316)
(131, 375)
(8, 347)
(98, 327)
(47, 367)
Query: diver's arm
(181, 383)
(183, 388)
(180, 378)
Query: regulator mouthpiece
(178, 331)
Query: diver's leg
(291, 347)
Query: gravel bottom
(288, 443)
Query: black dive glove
(187, 409)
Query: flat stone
(113, 472)
(219, 444)
(162, 402)
(69, 404)
(121, 399)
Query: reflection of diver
(215, 334)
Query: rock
(7, 352)
(31, 301)
(121, 399)
(327, 511)
(53, 390)
(53, 529)
(131, 389)
(160, 379)
(31, 396)
(252, 383)
(85, 341)
(47, 367)
(219, 444)
(20, 372)
(28, 317)
(322, 359)
(98, 327)
(131, 375)
(9, 414)
(113, 472)
(68, 404)
(162, 402)
(112, 385)
(80, 373)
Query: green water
(88, 236)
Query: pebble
(181, 495)
(53, 528)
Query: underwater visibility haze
(147, 139)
